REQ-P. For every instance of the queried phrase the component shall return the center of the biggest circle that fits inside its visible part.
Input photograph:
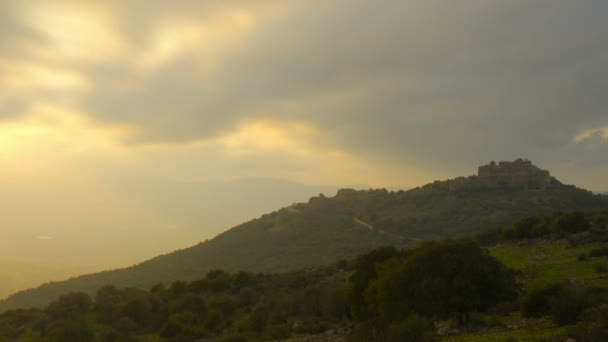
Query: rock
(447, 331)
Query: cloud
(591, 134)
(590, 148)
(428, 83)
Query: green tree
(70, 306)
(107, 301)
(412, 329)
(440, 279)
(537, 301)
(571, 223)
(564, 302)
(73, 331)
(365, 272)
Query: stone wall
(519, 173)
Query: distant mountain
(161, 215)
(352, 222)
(16, 275)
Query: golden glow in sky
(588, 134)
(73, 31)
(49, 135)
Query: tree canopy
(439, 279)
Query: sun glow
(75, 31)
(589, 134)
(269, 136)
(27, 76)
(49, 135)
(210, 38)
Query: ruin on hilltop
(519, 173)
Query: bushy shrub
(412, 329)
(598, 252)
(73, 331)
(367, 332)
(537, 302)
(568, 305)
(601, 267)
(571, 223)
(564, 302)
(588, 333)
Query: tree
(524, 228)
(564, 302)
(571, 223)
(537, 302)
(107, 300)
(70, 306)
(365, 273)
(413, 329)
(73, 331)
(440, 279)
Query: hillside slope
(350, 223)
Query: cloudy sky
(101, 101)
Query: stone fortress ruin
(519, 173)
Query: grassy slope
(542, 263)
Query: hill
(34, 249)
(352, 222)
(523, 277)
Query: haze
(132, 128)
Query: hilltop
(326, 229)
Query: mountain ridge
(326, 229)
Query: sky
(157, 124)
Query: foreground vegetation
(525, 286)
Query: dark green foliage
(562, 225)
(587, 333)
(13, 323)
(182, 324)
(569, 304)
(601, 267)
(412, 329)
(69, 306)
(525, 228)
(564, 302)
(452, 278)
(537, 302)
(109, 334)
(235, 338)
(259, 319)
(107, 301)
(599, 252)
(73, 331)
(245, 306)
(368, 332)
(570, 223)
(366, 272)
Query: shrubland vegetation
(341, 227)
(246, 306)
(518, 287)
(577, 227)
(541, 275)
